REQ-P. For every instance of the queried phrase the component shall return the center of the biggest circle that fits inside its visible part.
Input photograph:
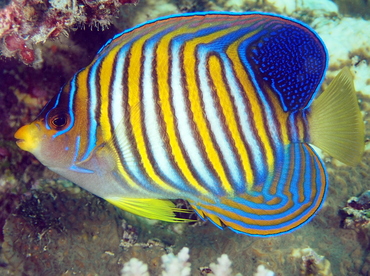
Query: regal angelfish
(216, 108)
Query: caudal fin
(335, 121)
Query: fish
(221, 109)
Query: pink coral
(24, 23)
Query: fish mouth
(19, 135)
(19, 142)
(25, 137)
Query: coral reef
(24, 23)
(357, 212)
(344, 51)
(354, 7)
(43, 238)
(59, 228)
(223, 267)
(179, 266)
(291, 8)
(312, 263)
(134, 267)
(176, 265)
(263, 271)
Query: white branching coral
(134, 267)
(263, 271)
(176, 265)
(223, 267)
(179, 266)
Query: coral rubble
(312, 263)
(354, 7)
(45, 235)
(357, 212)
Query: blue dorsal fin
(291, 60)
(286, 202)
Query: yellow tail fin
(335, 121)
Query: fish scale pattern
(290, 60)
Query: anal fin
(289, 200)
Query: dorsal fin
(291, 61)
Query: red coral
(24, 23)
(14, 44)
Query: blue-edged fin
(288, 200)
(335, 122)
(159, 209)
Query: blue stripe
(74, 167)
(204, 176)
(92, 108)
(221, 138)
(300, 155)
(157, 149)
(72, 93)
(57, 98)
(130, 163)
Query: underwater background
(49, 226)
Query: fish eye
(58, 121)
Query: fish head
(48, 137)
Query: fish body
(216, 108)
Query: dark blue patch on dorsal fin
(291, 60)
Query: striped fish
(216, 108)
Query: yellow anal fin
(159, 209)
(335, 122)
